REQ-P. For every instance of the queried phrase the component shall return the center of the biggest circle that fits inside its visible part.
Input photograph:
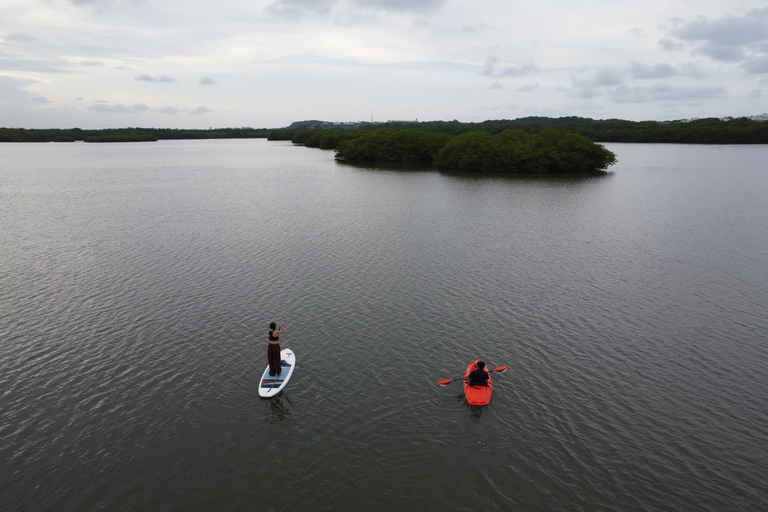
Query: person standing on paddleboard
(273, 350)
(478, 376)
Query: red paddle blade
(501, 369)
(445, 382)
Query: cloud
(297, 8)
(728, 38)
(19, 36)
(161, 79)
(36, 65)
(609, 76)
(669, 45)
(206, 80)
(118, 108)
(662, 92)
(591, 87)
(89, 2)
(169, 110)
(529, 87)
(756, 65)
(401, 5)
(91, 63)
(200, 110)
(496, 85)
(609, 81)
(40, 99)
(525, 68)
(662, 70)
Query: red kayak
(477, 395)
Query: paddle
(445, 382)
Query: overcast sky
(266, 63)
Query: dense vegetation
(125, 134)
(509, 151)
(393, 146)
(518, 151)
(332, 135)
(136, 137)
(698, 131)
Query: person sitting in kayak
(273, 350)
(479, 376)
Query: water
(137, 282)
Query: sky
(266, 63)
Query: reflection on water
(411, 167)
(278, 410)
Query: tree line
(698, 131)
(126, 134)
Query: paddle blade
(445, 382)
(501, 369)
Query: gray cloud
(662, 70)
(609, 76)
(40, 99)
(161, 79)
(118, 108)
(45, 65)
(592, 86)
(90, 2)
(728, 38)
(206, 80)
(756, 65)
(490, 70)
(169, 110)
(20, 37)
(691, 70)
(662, 92)
(297, 8)
(529, 87)
(669, 45)
(200, 110)
(725, 53)
(401, 5)
(91, 63)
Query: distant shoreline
(698, 131)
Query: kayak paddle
(445, 382)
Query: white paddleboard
(270, 386)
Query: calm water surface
(137, 282)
